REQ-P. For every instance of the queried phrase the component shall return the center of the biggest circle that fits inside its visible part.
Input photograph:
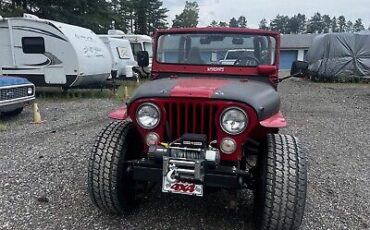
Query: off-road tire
(280, 194)
(13, 112)
(110, 184)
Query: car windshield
(216, 49)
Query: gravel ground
(43, 168)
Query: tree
(280, 23)
(222, 24)
(334, 25)
(342, 23)
(233, 22)
(358, 26)
(157, 16)
(315, 24)
(214, 23)
(242, 21)
(189, 16)
(326, 20)
(349, 26)
(296, 24)
(263, 24)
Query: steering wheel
(243, 60)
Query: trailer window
(123, 52)
(149, 48)
(33, 45)
(136, 47)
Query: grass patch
(3, 127)
(73, 94)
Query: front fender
(119, 113)
(275, 121)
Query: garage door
(287, 57)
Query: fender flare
(119, 113)
(275, 121)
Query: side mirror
(299, 69)
(142, 58)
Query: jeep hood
(261, 96)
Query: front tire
(280, 195)
(110, 183)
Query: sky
(255, 10)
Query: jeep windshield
(214, 48)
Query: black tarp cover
(339, 55)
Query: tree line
(318, 23)
(300, 24)
(146, 16)
(135, 16)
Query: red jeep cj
(204, 124)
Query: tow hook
(172, 169)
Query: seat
(194, 56)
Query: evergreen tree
(358, 26)
(189, 16)
(326, 20)
(349, 26)
(222, 24)
(315, 24)
(296, 24)
(213, 23)
(334, 25)
(242, 21)
(280, 24)
(342, 23)
(233, 22)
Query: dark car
(200, 126)
(15, 92)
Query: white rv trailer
(122, 57)
(50, 53)
(139, 42)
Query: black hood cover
(259, 95)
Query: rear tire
(280, 195)
(110, 183)
(13, 112)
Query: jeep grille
(191, 117)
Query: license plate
(182, 187)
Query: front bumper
(10, 105)
(224, 177)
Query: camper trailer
(122, 57)
(50, 53)
(138, 42)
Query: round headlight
(148, 115)
(233, 120)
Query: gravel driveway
(43, 168)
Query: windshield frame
(272, 39)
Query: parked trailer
(139, 42)
(122, 57)
(50, 53)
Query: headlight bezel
(137, 115)
(238, 109)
